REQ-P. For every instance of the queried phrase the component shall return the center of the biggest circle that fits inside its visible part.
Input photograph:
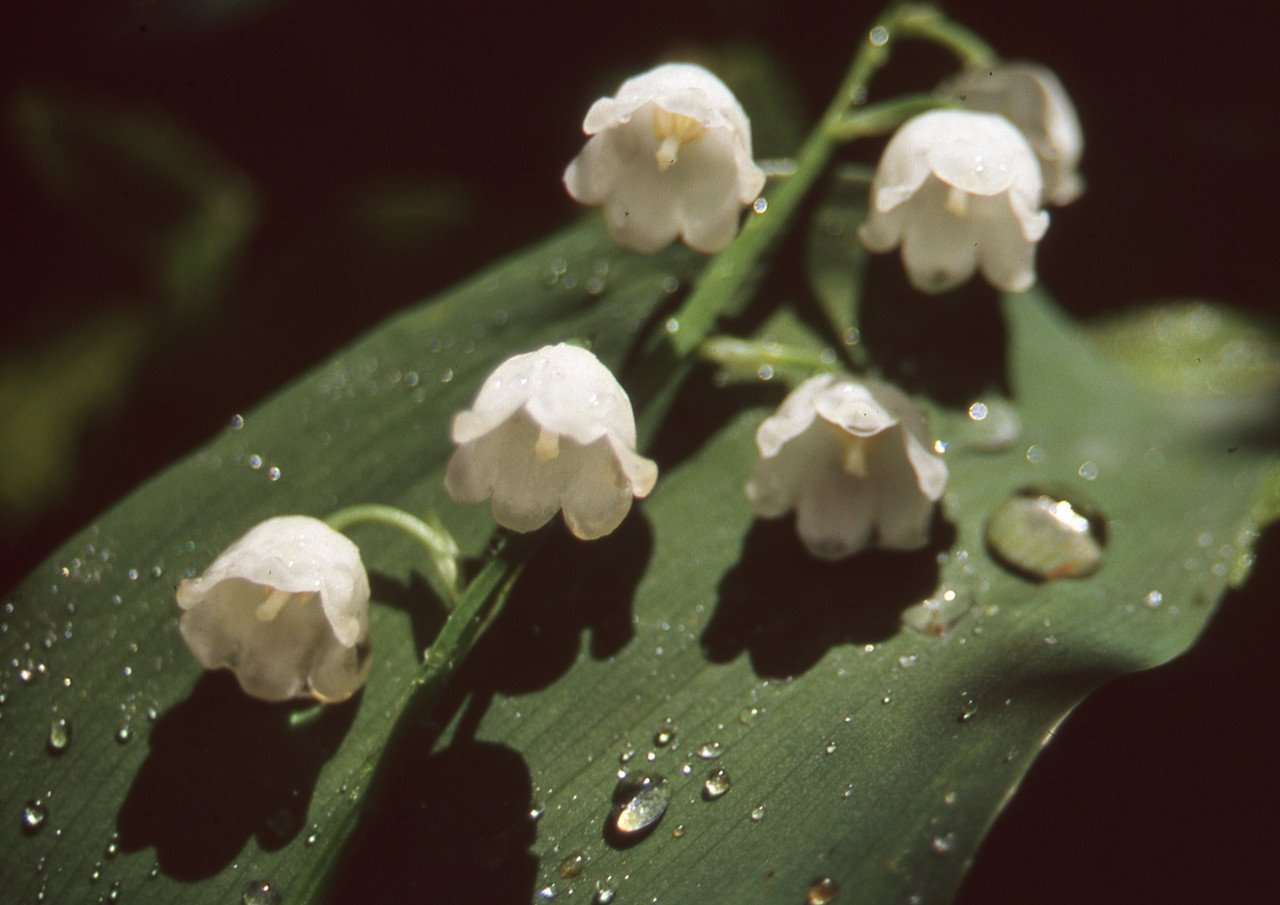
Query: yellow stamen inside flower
(957, 201)
(854, 455)
(270, 608)
(547, 446)
(673, 131)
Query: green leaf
(691, 612)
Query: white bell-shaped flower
(668, 157)
(852, 458)
(958, 190)
(286, 607)
(1032, 98)
(550, 430)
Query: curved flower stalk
(669, 156)
(1032, 98)
(851, 458)
(958, 191)
(286, 607)
(550, 430)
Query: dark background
(1158, 790)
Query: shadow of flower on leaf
(786, 609)
(457, 829)
(571, 586)
(224, 767)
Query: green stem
(737, 354)
(437, 541)
(728, 271)
(476, 609)
(930, 24)
(881, 119)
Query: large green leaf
(859, 750)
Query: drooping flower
(959, 191)
(668, 157)
(1032, 98)
(550, 430)
(851, 458)
(286, 607)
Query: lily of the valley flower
(550, 430)
(958, 191)
(668, 157)
(1032, 98)
(286, 607)
(851, 458)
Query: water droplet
(123, 734)
(822, 892)
(747, 715)
(237, 422)
(949, 799)
(154, 872)
(255, 461)
(907, 660)
(829, 748)
(941, 845)
(1035, 454)
(879, 36)
(968, 708)
(547, 893)
(757, 813)
(96, 874)
(59, 735)
(672, 326)
(312, 838)
(604, 895)
(33, 817)
(765, 372)
(113, 892)
(665, 735)
(113, 847)
(1153, 599)
(572, 866)
(978, 411)
(259, 892)
(760, 205)
(536, 812)
(710, 750)
(847, 793)
(717, 785)
(273, 473)
(640, 800)
(1088, 471)
(888, 698)
(677, 832)
(1045, 536)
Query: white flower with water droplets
(1032, 98)
(550, 430)
(959, 191)
(668, 157)
(851, 458)
(286, 607)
